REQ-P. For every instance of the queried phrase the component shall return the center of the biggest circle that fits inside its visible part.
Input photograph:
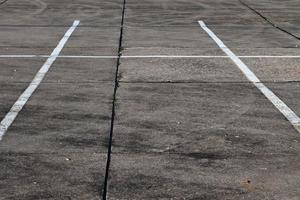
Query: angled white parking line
(19, 104)
(278, 103)
(173, 56)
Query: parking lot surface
(149, 99)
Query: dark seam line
(104, 194)
(269, 21)
(3, 2)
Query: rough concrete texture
(183, 128)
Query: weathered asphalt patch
(62, 118)
(179, 13)
(19, 70)
(93, 41)
(179, 70)
(198, 118)
(51, 176)
(15, 75)
(275, 69)
(166, 37)
(204, 176)
(201, 141)
(68, 70)
(31, 39)
(9, 93)
(289, 92)
(58, 13)
(254, 37)
(194, 141)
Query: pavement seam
(289, 114)
(269, 21)
(109, 150)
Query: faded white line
(172, 56)
(19, 104)
(278, 103)
(144, 56)
(102, 57)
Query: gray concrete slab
(62, 118)
(188, 17)
(267, 51)
(288, 92)
(198, 117)
(204, 176)
(15, 75)
(171, 51)
(179, 70)
(93, 41)
(42, 40)
(82, 70)
(30, 40)
(284, 14)
(213, 137)
(19, 70)
(275, 69)
(51, 176)
(9, 93)
(60, 13)
(167, 39)
(201, 141)
(254, 37)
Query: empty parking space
(149, 99)
(93, 41)
(30, 40)
(168, 41)
(200, 136)
(179, 70)
(60, 13)
(51, 176)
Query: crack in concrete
(269, 21)
(3, 2)
(120, 49)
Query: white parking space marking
(19, 104)
(268, 56)
(278, 103)
(172, 56)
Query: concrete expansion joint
(269, 21)
(113, 113)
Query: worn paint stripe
(19, 104)
(278, 103)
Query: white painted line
(108, 57)
(269, 56)
(19, 104)
(279, 104)
(143, 56)
(172, 56)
